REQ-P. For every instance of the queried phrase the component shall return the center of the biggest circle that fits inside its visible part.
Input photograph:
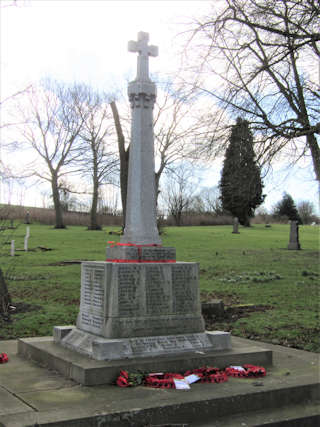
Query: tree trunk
(93, 212)
(244, 220)
(124, 159)
(5, 299)
(57, 204)
(315, 154)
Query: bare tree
(261, 56)
(306, 212)
(98, 159)
(123, 158)
(210, 197)
(51, 127)
(178, 191)
(178, 128)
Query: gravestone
(294, 243)
(12, 248)
(235, 226)
(27, 218)
(140, 302)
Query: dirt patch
(17, 308)
(228, 299)
(64, 263)
(233, 313)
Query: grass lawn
(276, 291)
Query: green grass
(253, 267)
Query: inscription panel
(158, 254)
(184, 288)
(168, 344)
(122, 252)
(157, 291)
(129, 303)
(89, 321)
(161, 325)
(92, 288)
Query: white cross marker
(145, 51)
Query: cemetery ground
(270, 293)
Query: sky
(86, 41)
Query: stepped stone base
(87, 371)
(100, 348)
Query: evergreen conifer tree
(286, 207)
(241, 184)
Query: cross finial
(141, 46)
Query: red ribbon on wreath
(139, 260)
(162, 380)
(208, 374)
(248, 371)
(4, 358)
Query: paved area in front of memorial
(31, 395)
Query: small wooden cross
(141, 46)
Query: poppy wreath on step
(162, 380)
(126, 379)
(248, 371)
(4, 358)
(208, 374)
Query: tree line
(254, 52)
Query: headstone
(26, 239)
(235, 226)
(294, 243)
(12, 248)
(140, 302)
(27, 218)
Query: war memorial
(140, 310)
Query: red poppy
(3, 358)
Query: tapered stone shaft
(141, 219)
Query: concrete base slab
(87, 371)
(100, 348)
(287, 396)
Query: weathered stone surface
(100, 348)
(121, 300)
(235, 226)
(141, 220)
(294, 243)
(144, 253)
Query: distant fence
(47, 216)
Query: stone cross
(141, 218)
(141, 46)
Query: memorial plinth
(139, 309)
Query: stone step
(87, 371)
(288, 407)
(287, 396)
(306, 414)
